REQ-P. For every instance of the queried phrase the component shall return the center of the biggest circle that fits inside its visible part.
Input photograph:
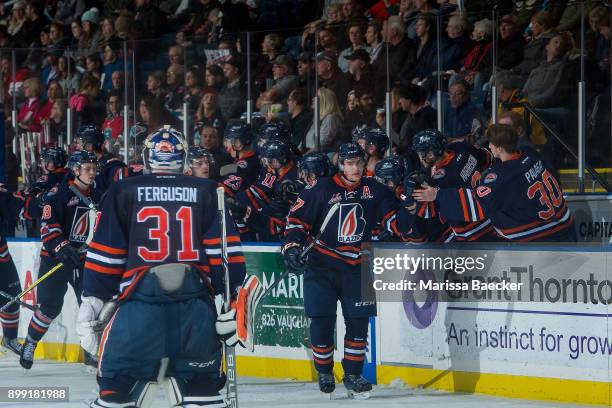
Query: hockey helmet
(165, 149)
(55, 155)
(429, 140)
(90, 134)
(391, 169)
(316, 164)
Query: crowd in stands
(92, 55)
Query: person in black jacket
(421, 116)
(511, 43)
(402, 52)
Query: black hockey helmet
(429, 140)
(350, 150)
(316, 164)
(272, 130)
(377, 137)
(80, 157)
(198, 152)
(239, 130)
(390, 169)
(90, 134)
(55, 155)
(276, 149)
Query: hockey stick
(306, 249)
(229, 352)
(32, 286)
(22, 303)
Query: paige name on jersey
(182, 194)
(534, 172)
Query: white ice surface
(253, 392)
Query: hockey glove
(293, 258)
(236, 325)
(93, 315)
(239, 211)
(69, 257)
(412, 181)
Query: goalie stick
(306, 249)
(229, 352)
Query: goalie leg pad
(249, 296)
(191, 393)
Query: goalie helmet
(165, 149)
(55, 155)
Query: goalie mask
(165, 150)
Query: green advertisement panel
(279, 320)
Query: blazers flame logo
(351, 223)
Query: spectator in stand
(34, 22)
(118, 80)
(426, 48)
(175, 88)
(284, 82)
(69, 78)
(463, 120)
(511, 43)
(600, 17)
(548, 85)
(306, 73)
(208, 113)
(335, 26)
(51, 69)
(54, 92)
(149, 22)
(420, 115)
(421, 7)
(351, 102)
(328, 40)
(113, 124)
(402, 52)
(213, 79)
(455, 45)
(77, 34)
(91, 40)
(56, 36)
(109, 34)
(176, 55)
(193, 89)
(373, 38)
(365, 113)
(232, 96)
(58, 127)
(16, 25)
(361, 72)
(210, 139)
(124, 26)
(270, 49)
(301, 116)
(383, 9)
(330, 76)
(88, 108)
(356, 37)
(542, 27)
(69, 11)
(351, 11)
(477, 67)
(515, 120)
(111, 64)
(38, 50)
(26, 118)
(331, 129)
(93, 66)
(155, 86)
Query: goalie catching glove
(236, 325)
(93, 315)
